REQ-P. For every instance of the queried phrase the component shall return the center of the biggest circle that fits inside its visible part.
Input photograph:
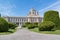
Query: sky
(22, 7)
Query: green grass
(45, 32)
(9, 32)
(35, 30)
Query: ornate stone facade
(32, 17)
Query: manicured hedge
(52, 16)
(26, 24)
(3, 25)
(35, 24)
(46, 26)
(30, 25)
(23, 25)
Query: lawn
(45, 32)
(9, 32)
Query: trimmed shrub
(46, 26)
(35, 24)
(23, 25)
(51, 16)
(31, 26)
(3, 25)
(26, 24)
(12, 25)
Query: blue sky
(22, 7)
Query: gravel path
(24, 34)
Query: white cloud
(54, 6)
(6, 9)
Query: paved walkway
(24, 34)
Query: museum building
(32, 17)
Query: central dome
(33, 13)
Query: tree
(52, 16)
(58, 25)
(3, 25)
